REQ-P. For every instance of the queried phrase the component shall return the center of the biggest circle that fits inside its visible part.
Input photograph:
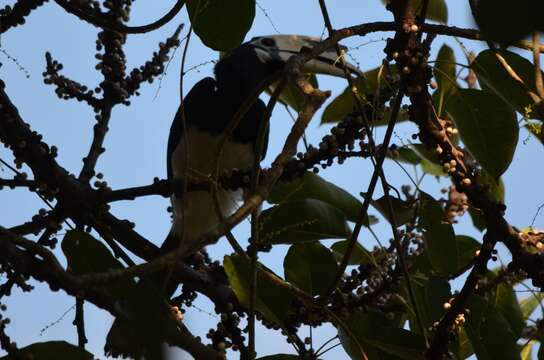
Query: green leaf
(497, 337)
(493, 77)
(221, 25)
(529, 304)
(405, 155)
(359, 255)
(437, 292)
(87, 255)
(445, 69)
(272, 300)
(466, 250)
(487, 126)
(505, 21)
(432, 168)
(429, 160)
(402, 211)
(489, 332)
(476, 343)
(311, 267)
(465, 347)
(446, 77)
(437, 10)
(438, 236)
(291, 96)
(477, 217)
(344, 104)
(540, 354)
(494, 188)
(312, 186)
(431, 294)
(375, 329)
(302, 220)
(53, 350)
(506, 302)
(527, 350)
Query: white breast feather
(199, 211)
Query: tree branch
(12, 17)
(99, 19)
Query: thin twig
(538, 72)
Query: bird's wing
(197, 105)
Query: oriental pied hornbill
(209, 107)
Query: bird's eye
(268, 42)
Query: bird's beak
(282, 47)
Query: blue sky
(136, 143)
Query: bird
(207, 111)
(208, 108)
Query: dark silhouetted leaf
(437, 292)
(375, 329)
(311, 267)
(438, 235)
(489, 332)
(272, 300)
(465, 347)
(221, 25)
(466, 250)
(302, 220)
(437, 10)
(291, 96)
(144, 309)
(405, 155)
(493, 77)
(431, 294)
(497, 337)
(53, 350)
(312, 186)
(494, 188)
(487, 126)
(477, 217)
(344, 104)
(505, 21)
(505, 301)
(280, 357)
(87, 255)
(402, 211)
(429, 161)
(359, 255)
(446, 77)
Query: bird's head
(279, 48)
(262, 56)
